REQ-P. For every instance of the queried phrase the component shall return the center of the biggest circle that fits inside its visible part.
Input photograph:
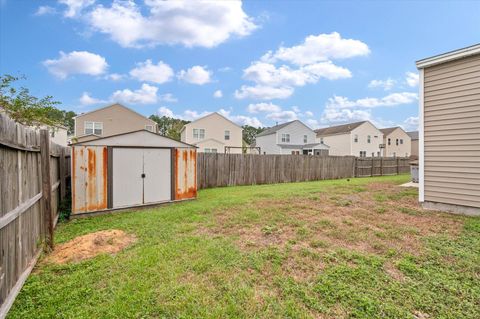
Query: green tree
(168, 126)
(25, 108)
(250, 132)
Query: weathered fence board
(217, 170)
(22, 203)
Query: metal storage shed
(131, 169)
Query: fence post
(46, 185)
(397, 165)
(381, 166)
(371, 170)
(62, 168)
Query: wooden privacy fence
(33, 179)
(216, 170)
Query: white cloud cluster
(74, 7)
(86, 99)
(45, 10)
(217, 94)
(148, 72)
(341, 109)
(412, 79)
(387, 84)
(282, 116)
(309, 62)
(411, 123)
(189, 23)
(196, 75)
(76, 62)
(263, 107)
(147, 94)
(317, 48)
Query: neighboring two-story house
(110, 120)
(213, 133)
(290, 138)
(361, 139)
(414, 140)
(397, 142)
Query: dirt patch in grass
(91, 245)
(382, 219)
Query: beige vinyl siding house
(450, 131)
(110, 120)
(397, 142)
(361, 139)
(414, 144)
(213, 133)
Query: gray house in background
(414, 137)
(290, 138)
(449, 150)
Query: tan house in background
(449, 162)
(110, 120)
(213, 133)
(414, 138)
(397, 142)
(361, 139)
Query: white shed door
(127, 188)
(141, 176)
(157, 169)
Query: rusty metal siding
(185, 173)
(89, 178)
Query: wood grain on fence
(217, 170)
(22, 203)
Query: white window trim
(149, 125)
(286, 134)
(225, 135)
(93, 127)
(198, 138)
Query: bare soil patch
(91, 245)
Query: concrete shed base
(455, 209)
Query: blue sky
(256, 62)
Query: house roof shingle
(413, 135)
(274, 129)
(338, 129)
(388, 130)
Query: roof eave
(449, 56)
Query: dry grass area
(90, 245)
(379, 218)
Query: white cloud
(225, 69)
(263, 107)
(190, 23)
(261, 92)
(393, 99)
(114, 76)
(86, 99)
(309, 113)
(241, 119)
(148, 72)
(196, 75)
(335, 116)
(217, 94)
(412, 79)
(387, 84)
(165, 111)
(411, 123)
(74, 7)
(76, 62)
(322, 47)
(168, 97)
(312, 123)
(282, 116)
(45, 10)
(147, 94)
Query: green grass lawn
(361, 248)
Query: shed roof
(449, 56)
(339, 129)
(140, 138)
(275, 128)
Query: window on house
(373, 154)
(394, 154)
(363, 153)
(321, 140)
(149, 128)
(93, 128)
(355, 138)
(378, 154)
(401, 141)
(198, 133)
(210, 150)
(285, 138)
(227, 135)
(389, 141)
(305, 139)
(396, 141)
(369, 138)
